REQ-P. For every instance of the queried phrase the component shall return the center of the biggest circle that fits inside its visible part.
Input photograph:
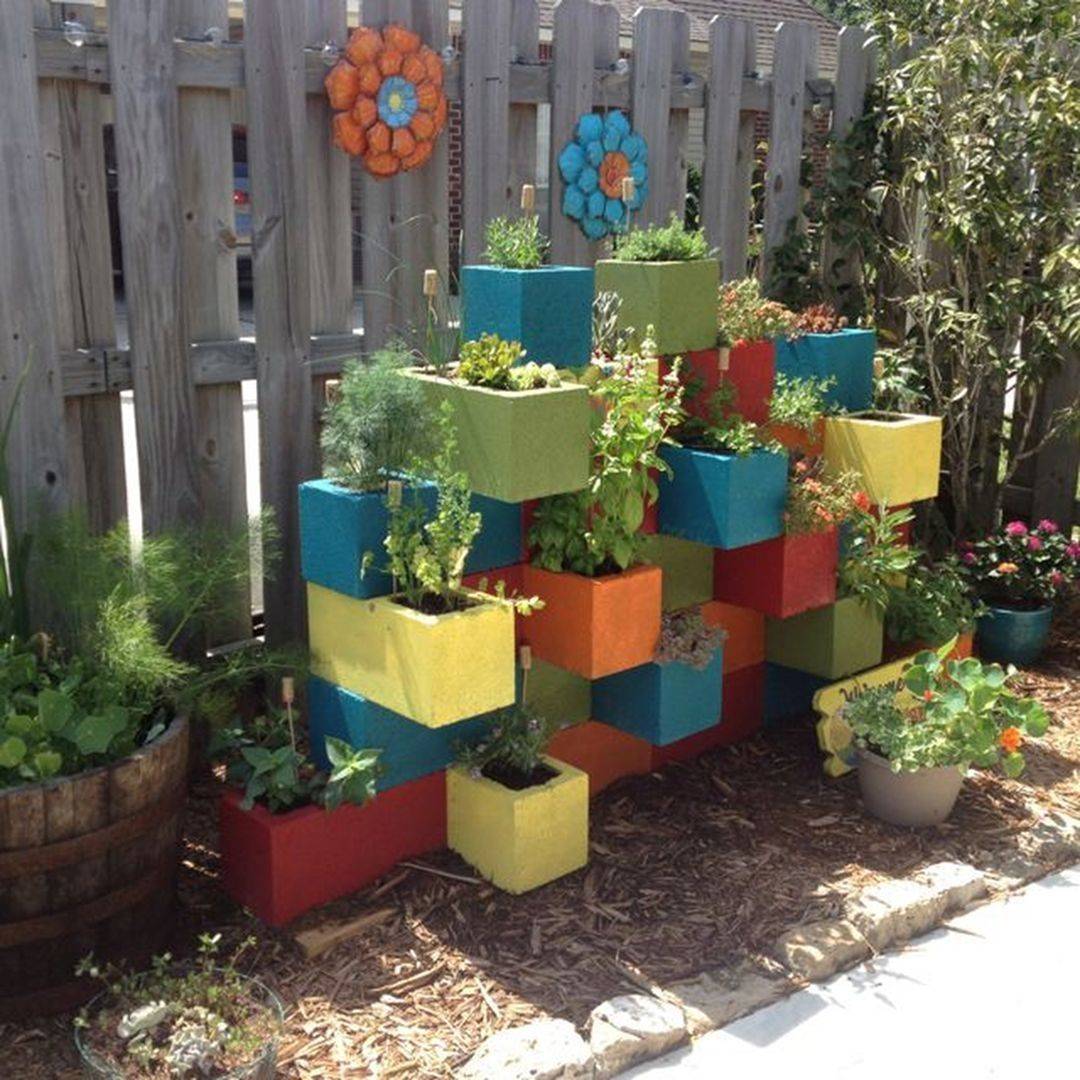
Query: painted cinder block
(558, 695)
(780, 577)
(831, 642)
(517, 445)
(742, 719)
(677, 299)
(435, 670)
(898, 455)
(520, 840)
(749, 374)
(846, 356)
(687, 568)
(409, 750)
(281, 865)
(744, 645)
(661, 703)
(338, 527)
(595, 626)
(604, 752)
(789, 692)
(723, 500)
(548, 309)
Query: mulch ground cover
(691, 869)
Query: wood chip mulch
(691, 869)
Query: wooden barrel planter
(88, 864)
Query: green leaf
(1013, 764)
(94, 734)
(55, 710)
(12, 752)
(47, 763)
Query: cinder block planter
(604, 752)
(338, 527)
(723, 500)
(789, 692)
(520, 840)
(687, 568)
(549, 310)
(661, 703)
(898, 455)
(595, 626)
(745, 642)
(846, 356)
(895, 649)
(780, 577)
(409, 750)
(434, 669)
(677, 299)
(750, 373)
(831, 642)
(557, 694)
(281, 865)
(790, 437)
(742, 719)
(518, 445)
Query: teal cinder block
(789, 692)
(549, 310)
(338, 526)
(661, 703)
(409, 750)
(846, 356)
(723, 500)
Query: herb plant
(492, 362)
(818, 500)
(685, 638)
(945, 712)
(874, 558)
(376, 427)
(725, 431)
(1018, 566)
(515, 243)
(933, 605)
(744, 315)
(511, 749)
(672, 242)
(608, 339)
(800, 403)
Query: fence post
(36, 457)
(274, 72)
(1056, 464)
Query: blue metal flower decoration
(603, 151)
(397, 101)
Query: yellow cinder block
(434, 669)
(899, 459)
(519, 840)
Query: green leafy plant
(608, 339)
(596, 531)
(685, 638)
(874, 558)
(745, 316)
(492, 362)
(945, 712)
(661, 243)
(376, 426)
(515, 243)
(934, 604)
(725, 431)
(800, 403)
(900, 386)
(1020, 566)
(510, 751)
(818, 500)
(203, 1018)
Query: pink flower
(1057, 578)
(1016, 528)
(1047, 527)
(1034, 543)
(968, 558)
(1073, 550)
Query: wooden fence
(172, 74)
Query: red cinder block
(780, 577)
(512, 578)
(741, 716)
(751, 373)
(281, 865)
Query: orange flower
(862, 501)
(1007, 568)
(928, 695)
(1010, 740)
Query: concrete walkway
(991, 994)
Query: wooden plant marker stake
(528, 198)
(724, 358)
(525, 660)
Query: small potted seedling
(674, 696)
(522, 430)
(666, 280)
(519, 298)
(377, 431)
(432, 650)
(517, 816)
(824, 346)
(724, 486)
(200, 1019)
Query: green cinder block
(556, 694)
(517, 445)
(678, 299)
(687, 567)
(834, 641)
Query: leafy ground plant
(933, 605)
(515, 243)
(198, 1020)
(510, 751)
(662, 243)
(492, 362)
(800, 403)
(686, 638)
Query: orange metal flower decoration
(387, 93)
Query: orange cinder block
(602, 751)
(745, 645)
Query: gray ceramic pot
(925, 797)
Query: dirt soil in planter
(691, 869)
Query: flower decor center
(613, 169)
(397, 101)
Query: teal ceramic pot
(1013, 635)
